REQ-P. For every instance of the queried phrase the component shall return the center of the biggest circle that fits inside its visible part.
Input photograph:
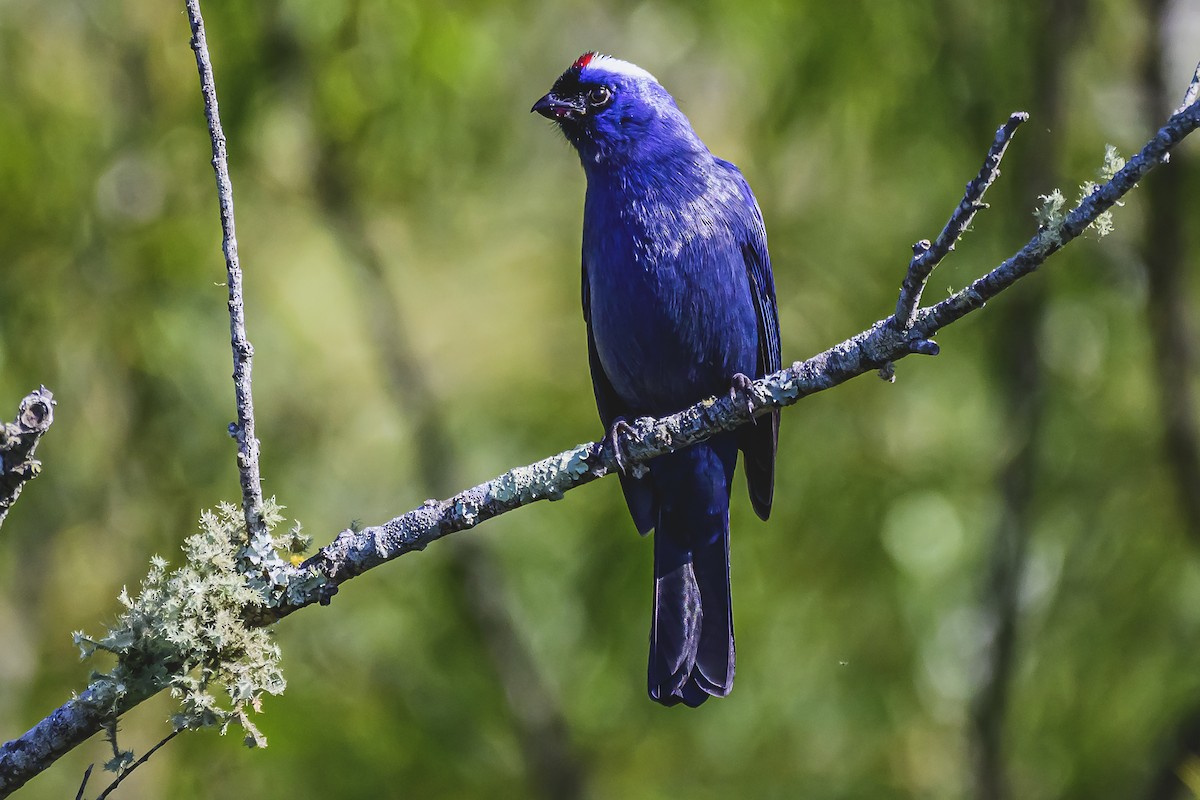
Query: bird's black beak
(559, 108)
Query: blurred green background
(983, 580)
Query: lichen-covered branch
(1050, 240)
(354, 552)
(243, 429)
(56, 735)
(18, 441)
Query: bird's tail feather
(691, 636)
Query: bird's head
(614, 111)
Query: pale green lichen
(1051, 213)
(186, 630)
(1113, 163)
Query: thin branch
(927, 256)
(1047, 242)
(87, 773)
(352, 553)
(66, 728)
(18, 441)
(146, 757)
(243, 429)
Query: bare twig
(352, 553)
(927, 256)
(243, 429)
(1046, 242)
(65, 728)
(145, 757)
(87, 773)
(18, 441)
(82, 716)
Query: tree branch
(352, 553)
(243, 353)
(927, 256)
(1046, 242)
(125, 773)
(18, 440)
(56, 735)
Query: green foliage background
(394, 196)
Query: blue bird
(679, 303)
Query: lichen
(1113, 163)
(1051, 212)
(1050, 217)
(186, 630)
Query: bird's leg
(739, 389)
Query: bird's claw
(618, 429)
(739, 389)
(613, 438)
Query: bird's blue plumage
(678, 298)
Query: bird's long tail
(691, 636)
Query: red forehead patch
(583, 61)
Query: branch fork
(927, 255)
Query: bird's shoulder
(731, 174)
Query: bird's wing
(608, 402)
(639, 495)
(760, 440)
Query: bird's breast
(671, 311)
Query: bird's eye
(599, 97)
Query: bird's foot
(617, 432)
(739, 391)
(618, 429)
